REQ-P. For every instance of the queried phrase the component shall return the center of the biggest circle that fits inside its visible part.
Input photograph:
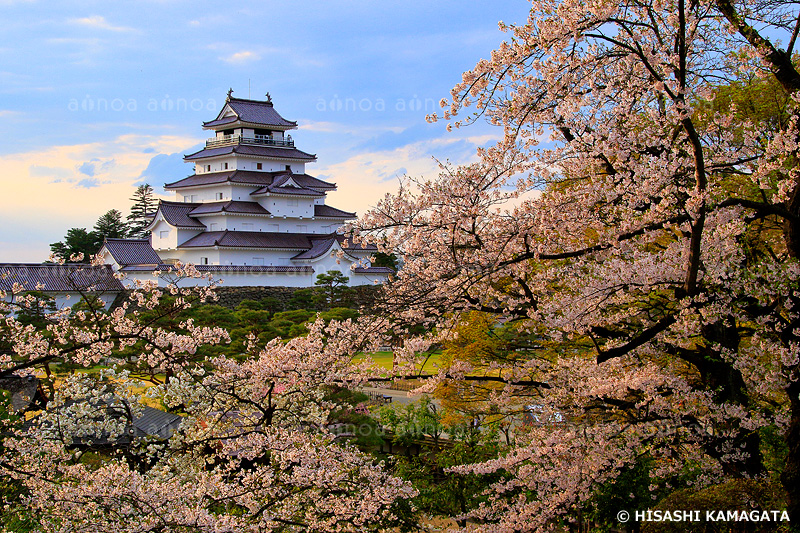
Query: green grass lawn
(384, 360)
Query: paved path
(398, 396)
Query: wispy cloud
(364, 178)
(215, 20)
(345, 128)
(240, 58)
(100, 23)
(74, 185)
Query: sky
(99, 97)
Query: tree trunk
(791, 474)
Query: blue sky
(100, 96)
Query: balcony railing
(261, 140)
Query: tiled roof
(177, 214)
(24, 391)
(250, 239)
(349, 247)
(331, 212)
(249, 177)
(373, 270)
(287, 191)
(155, 422)
(255, 269)
(58, 278)
(252, 111)
(229, 206)
(132, 251)
(150, 422)
(247, 149)
(318, 248)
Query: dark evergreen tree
(111, 225)
(77, 241)
(333, 285)
(144, 205)
(385, 260)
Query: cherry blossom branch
(780, 62)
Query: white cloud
(51, 194)
(346, 129)
(363, 179)
(210, 21)
(245, 56)
(100, 23)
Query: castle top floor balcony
(260, 140)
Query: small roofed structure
(95, 415)
(25, 393)
(123, 252)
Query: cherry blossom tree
(253, 453)
(640, 226)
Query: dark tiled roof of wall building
(58, 278)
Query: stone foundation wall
(231, 297)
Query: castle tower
(250, 214)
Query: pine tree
(332, 285)
(141, 211)
(77, 241)
(111, 225)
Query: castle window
(204, 260)
(259, 166)
(219, 196)
(292, 202)
(163, 234)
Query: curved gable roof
(132, 251)
(318, 248)
(177, 214)
(251, 111)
